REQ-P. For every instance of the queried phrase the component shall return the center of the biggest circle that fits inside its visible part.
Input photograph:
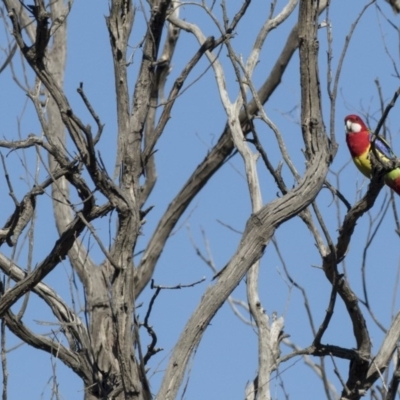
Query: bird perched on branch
(359, 138)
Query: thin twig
(93, 113)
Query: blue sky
(227, 356)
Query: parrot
(358, 138)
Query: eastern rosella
(358, 138)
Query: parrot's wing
(383, 148)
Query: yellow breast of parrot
(363, 164)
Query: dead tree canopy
(180, 217)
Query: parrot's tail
(392, 179)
